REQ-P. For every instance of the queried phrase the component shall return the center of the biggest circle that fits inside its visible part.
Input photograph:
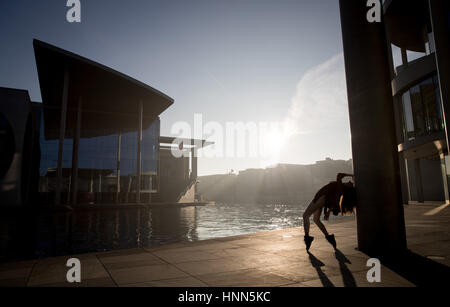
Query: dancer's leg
(319, 223)
(310, 210)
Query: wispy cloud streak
(320, 102)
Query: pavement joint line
(174, 265)
(107, 271)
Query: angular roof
(102, 89)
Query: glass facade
(422, 110)
(107, 156)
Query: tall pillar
(380, 219)
(62, 134)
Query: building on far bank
(284, 183)
(95, 138)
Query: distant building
(284, 183)
(95, 138)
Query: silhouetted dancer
(329, 198)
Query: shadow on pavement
(347, 276)
(419, 270)
(317, 264)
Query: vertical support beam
(119, 146)
(404, 57)
(439, 11)
(62, 133)
(380, 218)
(194, 154)
(139, 152)
(408, 180)
(158, 175)
(419, 183)
(444, 177)
(75, 152)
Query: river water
(43, 235)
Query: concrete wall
(16, 107)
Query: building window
(422, 111)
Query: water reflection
(31, 236)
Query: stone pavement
(269, 259)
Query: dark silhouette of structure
(397, 113)
(95, 138)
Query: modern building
(418, 107)
(398, 88)
(94, 138)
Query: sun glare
(273, 144)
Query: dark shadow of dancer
(347, 276)
(317, 264)
(419, 270)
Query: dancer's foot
(308, 241)
(332, 240)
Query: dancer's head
(349, 201)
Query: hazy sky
(229, 60)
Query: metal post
(444, 177)
(119, 140)
(62, 133)
(75, 153)
(139, 153)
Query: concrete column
(380, 219)
(439, 10)
(419, 183)
(62, 133)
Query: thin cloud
(320, 101)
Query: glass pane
(408, 116)
(128, 166)
(98, 158)
(150, 138)
(48, 122)
(432, 120)
(418, 111)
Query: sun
(272, 146)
